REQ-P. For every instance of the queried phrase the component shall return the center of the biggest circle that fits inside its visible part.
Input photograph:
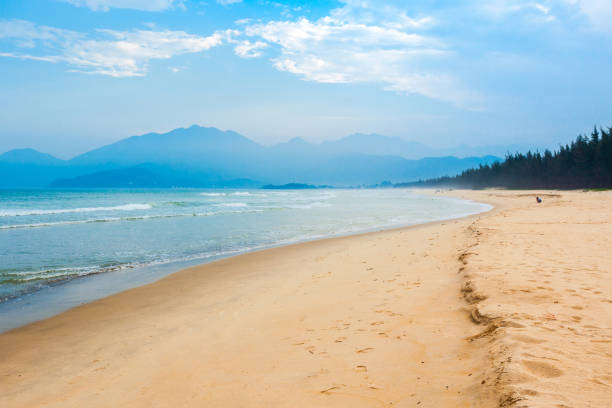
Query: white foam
(212, 194)
(247, 194)
(119, 219)
(26, 212)
(316, 204)
(87, 221)
(236, 205)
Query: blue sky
(77, 74)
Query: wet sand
(477, 312)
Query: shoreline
(78, 291)
(505, 308)
(328, 322)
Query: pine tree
(584, 163)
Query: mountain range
(208, 157)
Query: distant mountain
(29, 156)
(28, 168)
(378, 145)
(472, 151)
(193, 145)
(208, 157)
(150, 176)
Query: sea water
(60, 248)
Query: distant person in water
(538, 199)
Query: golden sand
(509, 307)
(539, 280)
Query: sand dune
(507, 308)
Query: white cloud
(358, 44)
(530, 10)
(248, 49)
(145, 5)
(380, 13)
(228, 2)
(403, 21)
(107, 52)
(27, 33)
(599, 12)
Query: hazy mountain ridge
(380, 145)
(29, 156)
(208, 157)
(150, 176)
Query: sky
(78, 74)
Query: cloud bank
(359, 42)
(105, 52)
(144, 5)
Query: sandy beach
(508, 308)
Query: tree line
(584, 163)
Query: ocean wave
(234, 205)
(58, 275)
(247, 194)
(26, 212)
(48, 275)
(88, 221)
(55, 275)
(316, 204)
(213, 194)
(181, 204)
(323, 196)
(119, 219)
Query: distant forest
(585, 163)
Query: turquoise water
(51, 237)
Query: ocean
(61, 248)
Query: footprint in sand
(332, 388)
(541, 369)
(364, 350)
